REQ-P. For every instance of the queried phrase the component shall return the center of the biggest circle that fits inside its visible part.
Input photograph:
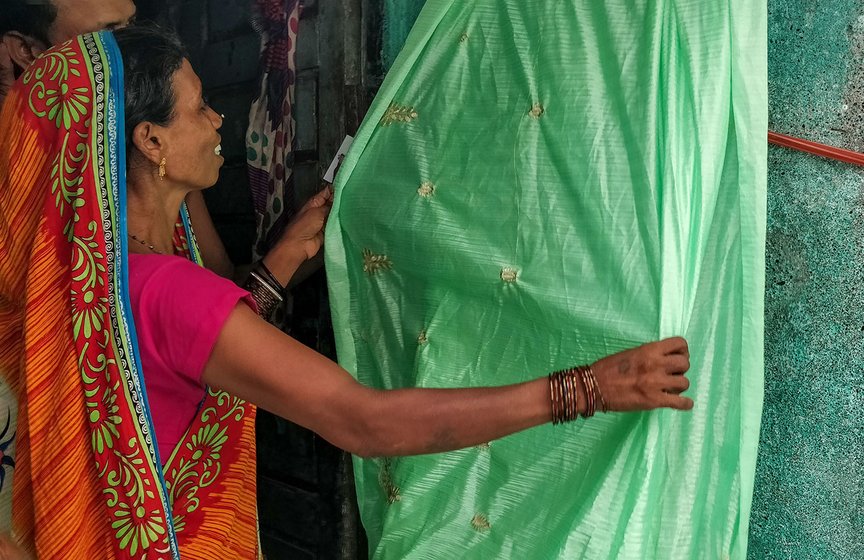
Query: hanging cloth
(538, 185)
(270, 136)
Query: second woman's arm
(257, 362)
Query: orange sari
(88, 479)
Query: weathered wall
(399, 16)
(809, 500)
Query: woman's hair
(151, 56)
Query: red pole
(815, 148)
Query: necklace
(151, 247)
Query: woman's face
(191, 144)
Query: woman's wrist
(574, 392)
(265, 290)
(268, 280)
(283, 263)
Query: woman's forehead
(186, 81)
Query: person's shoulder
(169, 269)
(148, 265)
(168, 278)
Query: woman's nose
(216, 118)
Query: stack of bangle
(267, 292)
(565, 396)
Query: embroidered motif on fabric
(480, 523)
(484, 447)
(385, 478)
(422, 338)
(396, 113)
(137, 523)
(102, 408)
(198, 461)
(60, 104)
(537, 111)
(426, 189)
(66, 179)
(51, 98)
(509, 274)
(88, 309)
(373, 263)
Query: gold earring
(162, 169)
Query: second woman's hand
(647, 377)
(302, 238)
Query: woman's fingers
(676, 384)
(313, 219)
(322, 198)
(674, 345)
(677, 402)
(677, 364)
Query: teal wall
(399, 16)
(809, 500)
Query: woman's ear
(146, 138)
(22, 49)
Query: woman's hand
(650, 376)
(302, 238)
(306, 230)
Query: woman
(94, 386)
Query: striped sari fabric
(78, 437)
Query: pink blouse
(179, 310)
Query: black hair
(151, 57)
(28, 17)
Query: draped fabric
(537, 185)
(88, 479)
(270, 136)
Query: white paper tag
(337, 161)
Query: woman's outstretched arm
(257, 362)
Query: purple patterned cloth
(270, 137)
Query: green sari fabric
(537, 185)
